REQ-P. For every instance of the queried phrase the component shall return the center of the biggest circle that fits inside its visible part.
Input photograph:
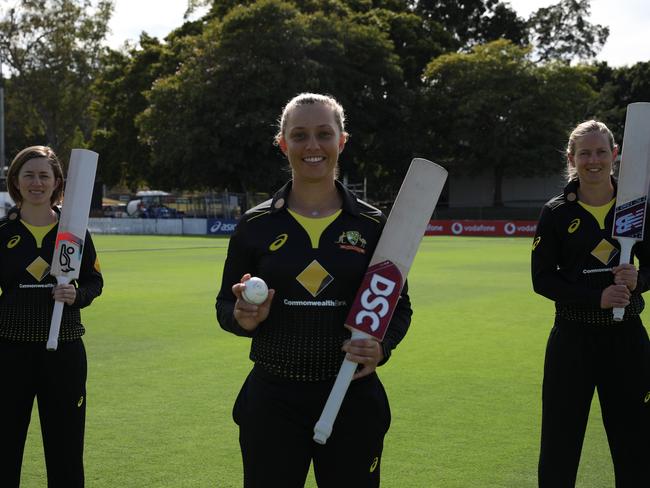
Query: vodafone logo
(510, 228)
(457, 228)
(374, 302)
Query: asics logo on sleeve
(575, 223)
(13, 242)
(536, 242)
(278, 242)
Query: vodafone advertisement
(486, 228)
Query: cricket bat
(633, 179)
(382, 284)
(69, 246)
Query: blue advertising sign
(222, 227)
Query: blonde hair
(25, 155)
(581, 130)
(310, 99)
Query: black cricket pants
(615, 359)
(276, 419)
(58, 381)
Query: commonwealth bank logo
(604, 251)
(314, 278)
(38, 269)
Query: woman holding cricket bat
(57, 379)
(311, 243)
(574, 264)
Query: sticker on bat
(376, 299)
(69, 249)
(628, 219)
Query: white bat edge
(57, 314)
(323, 428)
(626, 252)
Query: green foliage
(495, 110)
(213, 122)
(619, 87)
(52, 48)
(198, 109)
(120, 98)
(562, 32)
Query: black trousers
(276, 420)
(58, 381)
(616, 360)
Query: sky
(628, 22)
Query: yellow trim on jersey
(371, 218)
(38, 231)
(258, 215)
(314, 226)
(599, 212)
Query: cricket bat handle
(55, 324)
(323, 427)
(626, 253)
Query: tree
(212, 123)
(52, 48)
(119, 97)
(493, 109)
(22, 126)
(617, 88)
(562, 32)
(471, 22)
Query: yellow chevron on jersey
(38, 231)
(314, 226)
(599, 212)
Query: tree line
(467, 83)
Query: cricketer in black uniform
(56, 378)
(297, 349)
(572, 258)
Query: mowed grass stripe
(464, 385)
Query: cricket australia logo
(352, 240)
(629, 218)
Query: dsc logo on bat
(376, 299)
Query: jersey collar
(281, 198)
(571, 189)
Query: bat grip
(323, 427)
(626, 252)
(55, 324)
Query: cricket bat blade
(68, 248)
(380, 289)
(633, 179)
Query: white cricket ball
(255, 291)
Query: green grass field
(464, 385)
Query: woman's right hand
(615, 296)
(248, 315)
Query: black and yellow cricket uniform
(57, 379)
(573, 254)
(316, 267)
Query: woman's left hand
(626, 274)
(366, 352)
(65, 293)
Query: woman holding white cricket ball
(311, 243)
